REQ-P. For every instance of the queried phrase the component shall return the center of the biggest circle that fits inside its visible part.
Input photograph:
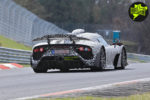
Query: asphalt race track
(17, 83)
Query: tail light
(87, 49)
(41, 49)
(84, 49)
(38, 50)
(81, 48)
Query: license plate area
(60, 52)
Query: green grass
(145, 96)
(8, 43)
(140, 61)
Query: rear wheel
(123, 59)
(44, 70)
(101, 61)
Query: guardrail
(14, 56)
(8, 55)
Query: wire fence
(21, 25)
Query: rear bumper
(57, 62)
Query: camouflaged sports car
(78, 49)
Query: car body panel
(93, 42)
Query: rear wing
(60, 36)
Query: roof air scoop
(78, 31)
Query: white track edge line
(93, 88)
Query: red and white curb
(10, 66)
(85, 89)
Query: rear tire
(123, 59)
(40, 70)
(101, 61)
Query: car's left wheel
(43, 70)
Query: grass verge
(145, 96)
(137, 60)
(8, 43)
